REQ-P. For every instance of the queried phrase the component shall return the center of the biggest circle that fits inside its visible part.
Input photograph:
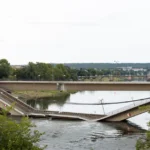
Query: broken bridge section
(138, 107)
(23, 109)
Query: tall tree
(5, 68)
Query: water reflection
(44, 103)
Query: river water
(84, 135)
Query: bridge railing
(133, 105)
(19, 106)
(13, 99)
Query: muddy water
(80, 135)
(73, 135)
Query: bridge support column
(61, 87)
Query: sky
(74, 31)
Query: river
(82, 135)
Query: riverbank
(29, 95)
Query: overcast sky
(63, 31)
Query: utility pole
(102, 106)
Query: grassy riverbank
(28, 95)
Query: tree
(18, 135)
(72, 73)
(44, 71)
(144, 143)
(61, 72)
(5, 68)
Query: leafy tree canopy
(18, 135)
(5, 68)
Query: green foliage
(43, 71)
(38, 71)
(69, 72)
(5, 69)
(144, 144)
(106, 65)
(61, 72)
(18, 135)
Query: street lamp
(39, 76)
(52, 77)
(102, 106)
(133, 101)
(15, 77)
(116, 67)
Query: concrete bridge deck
(22, 109)
(138, 107)
(75, 85)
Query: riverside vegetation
(43, 98)
(18, 135)
(56, 72)
(43, 94)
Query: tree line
(55, 72)
(36, 71)
(107, 65)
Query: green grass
(26, 95)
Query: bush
(144, 144)
(18, 135)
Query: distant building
(128, 68)
(18, 66)
(132, 69)
(139, 69)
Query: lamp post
(111, 75)
(52, 74)
(116, 67)
(133, 101)
(64, 76)
(15, 77)
(102, 106)
(52, 77)
(39, 76)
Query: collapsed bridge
(23, 109)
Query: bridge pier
(61, 87)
